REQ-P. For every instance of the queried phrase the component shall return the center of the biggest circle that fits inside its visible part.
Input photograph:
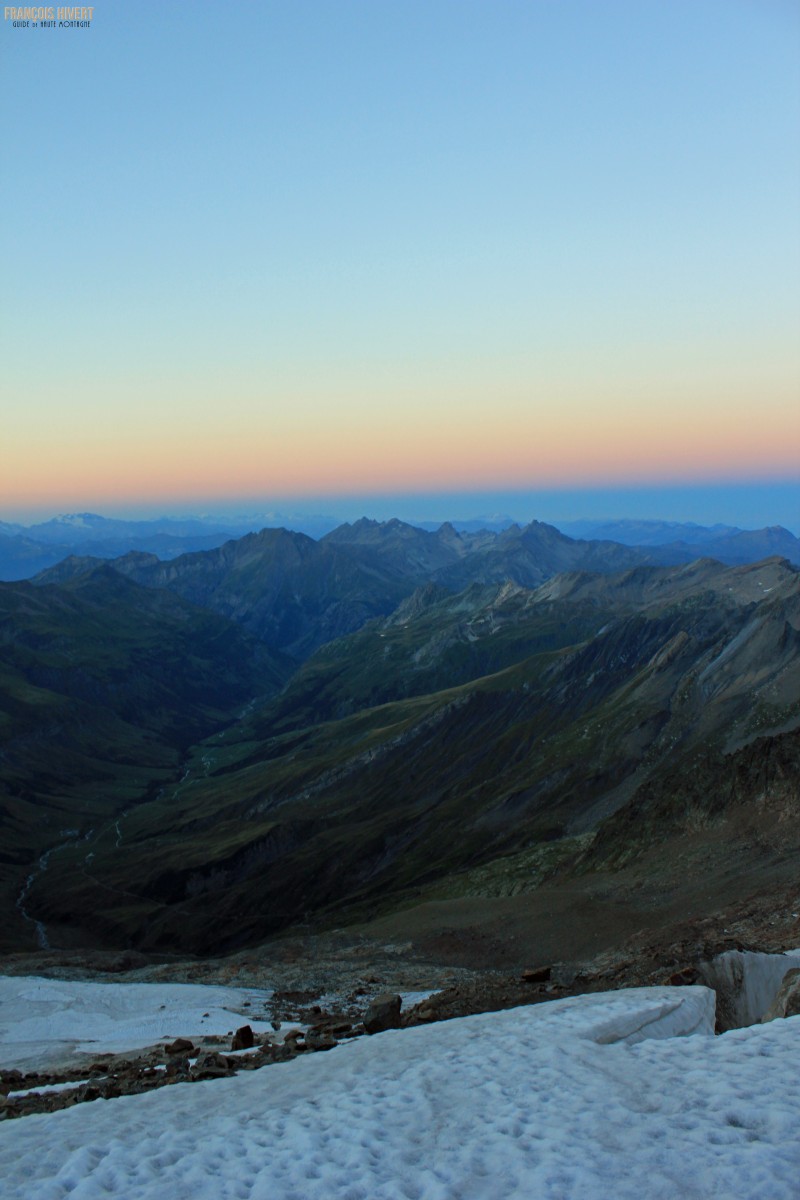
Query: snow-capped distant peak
(79, 520)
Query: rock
(787, 1001)
(383, 1013)
(684, 978)
(253, 1062)
(425, 1013)
(178, 1066)
(536, 974)
(180, 1046)
(211, 1066)
(320, 1040)
(243, 1038)
(564, 974)
(128, 960)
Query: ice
(558, 1101)
(746, 983)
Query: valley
(283, 737)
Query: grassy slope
(103, 685)
(276, 821)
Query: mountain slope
(533, 554)
(103, 686)
(324, 814)
(290, 591)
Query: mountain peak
(78, 520)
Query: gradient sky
(321, 247)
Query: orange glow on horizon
(170, 443)
(397, 460)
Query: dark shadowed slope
(103, 686)
(328, 813)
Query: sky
(311, 249)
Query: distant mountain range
(296, 593)
(648, 533)
(25, 551)
(204, 751)
(674, 542)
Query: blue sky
(302, 249)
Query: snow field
(560, 1101)
(45, 1021)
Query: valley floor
(623, 1094)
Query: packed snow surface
(42, 1021)
(581, 1099)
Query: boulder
(243, 1038)
(320, 1039)
(425, 1012)
(211, 1065)
(178, 1066)
(383, 1013)
(180, 1046)
(286, 1052)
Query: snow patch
(44, 1021)
(556, 1101)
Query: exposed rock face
(383, 1013)
(787, 1001)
